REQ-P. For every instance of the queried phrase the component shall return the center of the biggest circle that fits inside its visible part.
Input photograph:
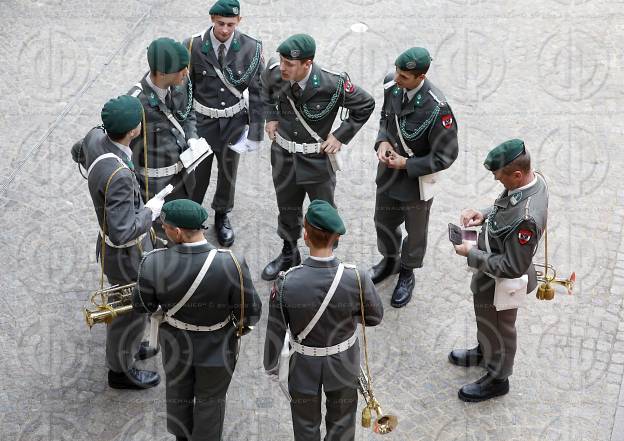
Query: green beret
(297, 47)
(167, 56)
(415, 58)
(122, 114)
(503, 154)
(226, 8)
(184, 213)
(322, 215)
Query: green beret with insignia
(167, 56)
(184, 213)
(122, 114)
(297, 47)
(503, 154)
(415, 58)
(226, 8)
(322, 215)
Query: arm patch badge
(447, 121)
(348, 86)
(524, 236)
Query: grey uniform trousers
(227, 169)
(196, 400)
(496, 330)
(341, 407)
(123, 337)
(389, 215)
(290, 197)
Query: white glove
(155, 204)
(252, 145)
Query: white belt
(132, 243)
(228, 112)
(188, 327)
(322, 352)
(163, 171)
(295, 147)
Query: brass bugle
(383, 423)
(109, 303)
(546, 290)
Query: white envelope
(510, 293)
(240, 146)
(284, 365)
(194, 154)
(429, 185)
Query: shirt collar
(124, 148)
(303, 82)
(410, 93)
(195, 244)
(216, 43)
(162, 93)
(323, 259)
(529, 185)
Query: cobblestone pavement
(547, 71)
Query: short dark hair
(116, 136)
(319, 238)
(521, 163)
(417, 72)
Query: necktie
(168, 100)
(128, 162)
(405, 100)
(221, 54)
(296, 90)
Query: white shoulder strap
(403, 143)
(323, 307)
(303, 122)
(104, 156)
(194, 285)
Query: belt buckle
(227, 113)
(305, 148)
(292, 147)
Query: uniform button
(223, 103)
(295, 133)
(204, 72)
(318, 106)
(222, 89)
(296, 118)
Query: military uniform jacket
(516, 224)
(243, 66)
(429, 129)
(165, 276)
(299, 295)
(126, 217)
(164, 140)
(325, 93)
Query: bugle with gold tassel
(109, 303)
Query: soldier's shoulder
(437, 95)
(154, 255)
(332, 73)
(273, 63)
(290, 272)
(249, 39)
(388, 80)
(136, 90)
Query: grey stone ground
(547, 71)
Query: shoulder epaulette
(199, 34)
(273, 63)
(283, 274)
(441, 103)
(349, 265)
(331, 71)
(389, 84)
(137, 92)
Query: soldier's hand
(471, 218)
(271, 129)
(464, 248)
(396, 161)
(384, 151)
(331, 145)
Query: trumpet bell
(385, 424)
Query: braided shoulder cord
(416, 134)
(253, 66)
(332, 102)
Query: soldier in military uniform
(124, 224)
(170, 122)
(504, 251)
(198, 289)
(303, 147)
(224, 64)
(326, 349)
(417, 137)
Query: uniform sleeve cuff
(475, 257)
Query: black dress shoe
(403, 290)
(133, 379)
(483, 389)
(288, 258)
(384, 269)
(146, 351)
(467, 357)
(225, 232)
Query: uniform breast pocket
(317, 106)
(201, 70)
